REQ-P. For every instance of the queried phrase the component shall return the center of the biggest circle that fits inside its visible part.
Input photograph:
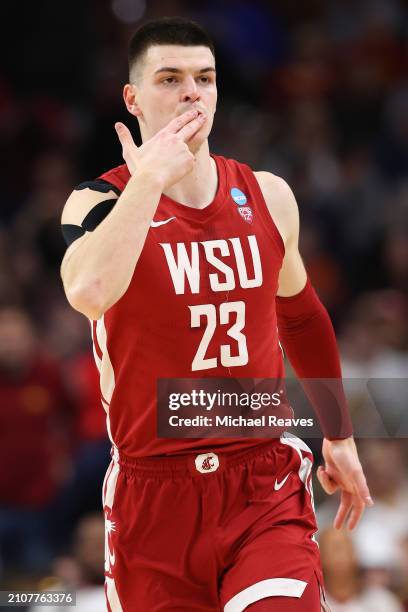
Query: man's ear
(130, 96)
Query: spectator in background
(375, 363)
(35, 416)
(346, 590)
(82, 491)
(67, 337)
(374, 338)
(377, 538)
(37, 244)
(82, 571)
(402, 574)
(395, 252)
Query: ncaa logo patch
(246, 213)
(238, 196)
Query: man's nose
(190, 91)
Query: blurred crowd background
(316, 92)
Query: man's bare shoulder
(280, 201)
(87, 205)
(82, 201)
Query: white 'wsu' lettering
(183, 266)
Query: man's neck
(198, 188)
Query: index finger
(191, 128)
(179, 122)
(124, 135)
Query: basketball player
(186, 264)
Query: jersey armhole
(118, 177)
(263, 208)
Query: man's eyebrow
(178, 71)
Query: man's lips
(201, 111)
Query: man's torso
(201, 303)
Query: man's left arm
(308, 338)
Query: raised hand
(166, 154)
(343, 471)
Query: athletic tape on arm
(95, 216)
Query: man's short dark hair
(167, 31)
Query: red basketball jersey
(201, 303)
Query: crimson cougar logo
(207, 462)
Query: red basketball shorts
(212, 532)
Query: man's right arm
(98, 266)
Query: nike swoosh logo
(279, 485)
(157, 223)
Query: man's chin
(195, 143)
